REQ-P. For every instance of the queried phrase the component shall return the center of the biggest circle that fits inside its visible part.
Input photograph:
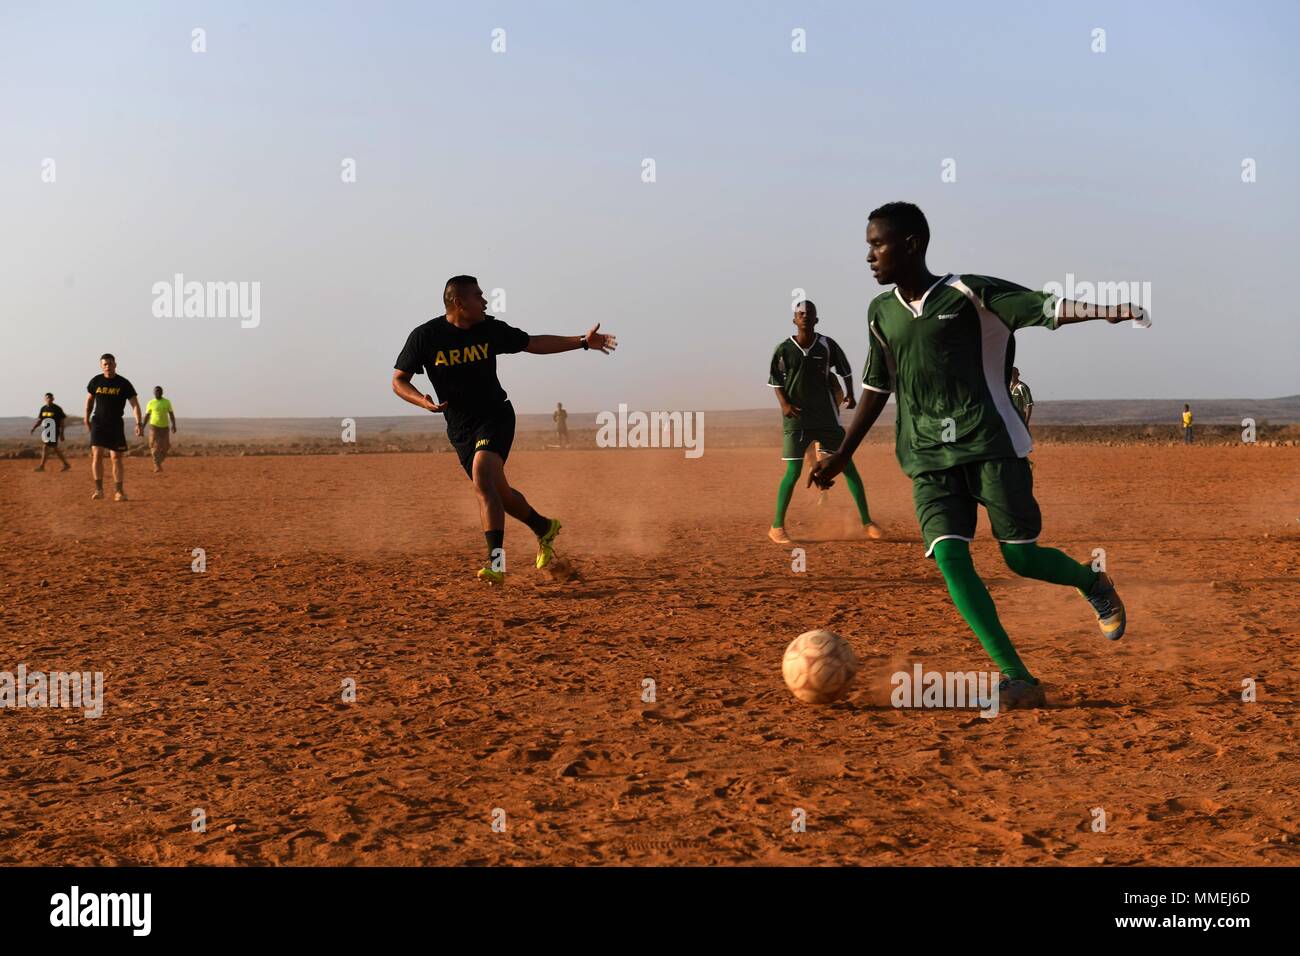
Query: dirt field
(223, 688)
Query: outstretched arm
(551, 344)
(869, 409)
(1068, 312)
(407, 392)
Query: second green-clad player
(802, 375)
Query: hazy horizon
(524, 168)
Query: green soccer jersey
(948, 361)
(1021, 397)
(806, 379)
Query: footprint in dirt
(561, 570)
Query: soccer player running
(941, 344)
(106, 398)
(458, 352)
(161, 416)
(50, 421)
(802, 375)
(1187, 424)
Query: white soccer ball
(818, 667)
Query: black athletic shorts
(108, 433)
(494, 431)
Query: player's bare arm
(869, 409)
(90, 404)
(1070, 312)
(407, 392)
(553, 344)
(139, 416)
(788, 410)
(849, 400)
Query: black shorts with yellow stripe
(947, 501)
(493, 432)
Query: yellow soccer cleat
(546, 544)
(488, 576)
(779, 536)
(872, 531)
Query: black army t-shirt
(462, 363)
(56, 413)
(111, 395)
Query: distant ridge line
(1141, 411)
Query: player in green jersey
(942, 345)
(1021, 397)
(802, 375)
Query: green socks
(952, 555)
(859, 493)
(786, 489)
(972, 597)
(1048, 564)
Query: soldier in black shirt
(107, 395)
(458, 352)
(50, 421)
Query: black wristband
(585, 346)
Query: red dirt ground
(224, 688)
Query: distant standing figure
(561, 419)
(162, 424)
(106, 398)
(51, 433)
(1021, 397)
(1187, 424)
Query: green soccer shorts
(797, 441)
(947, 499)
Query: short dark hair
(809, 306)
(455, 286)
(49, 394)
(109, 356)
(905, 217)
(157, 388)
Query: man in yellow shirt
(162, 421)
(1187, 424)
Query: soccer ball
(818, 667)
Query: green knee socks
(859, 493)
(785, 490)
(973, 601)
(1048, 564)
(972, 597)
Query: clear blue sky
(524, 168)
